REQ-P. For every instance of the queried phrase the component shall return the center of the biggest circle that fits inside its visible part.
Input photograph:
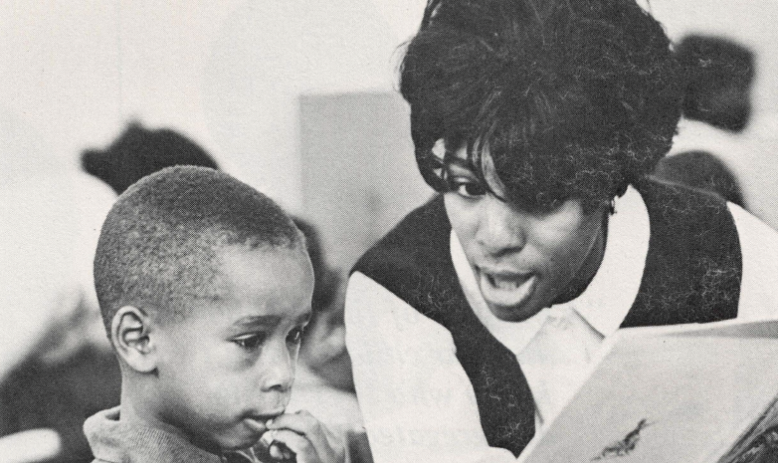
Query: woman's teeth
(507, 290)
(504, 283)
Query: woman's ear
(130, 331)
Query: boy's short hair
(159, 246)
(572, 99)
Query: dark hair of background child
(138, 152)
(718, 73)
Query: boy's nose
(278, 369)
(501, 228)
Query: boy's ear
(130, 331)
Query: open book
(686, 393)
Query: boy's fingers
(306, 424)
(278, 453)
(301, 421)
(300, 445)
(328, 447)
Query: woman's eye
(553, 205)
(250, 342)
(468, 189)
(544, 206)
(295, 336)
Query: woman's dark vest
(692, 275)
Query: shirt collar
(115, 440)
(605, 302)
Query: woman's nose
(501, 227)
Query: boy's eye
(295, 336)
(250, 342)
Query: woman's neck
(590, 266)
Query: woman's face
(523, 260)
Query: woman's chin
(516, 313)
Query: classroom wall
(359, 173)
(227, 73)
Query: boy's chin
(233, 445)
(241, 438)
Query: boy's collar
(113, 439)
(241, 456)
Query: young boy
(205, 288)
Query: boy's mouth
(257, 422)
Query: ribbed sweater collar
(121, 441)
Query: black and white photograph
(389, 231)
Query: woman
(471, 324)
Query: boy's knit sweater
(121, 441)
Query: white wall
(73, 72)
(227, 73)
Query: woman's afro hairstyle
(571, 98)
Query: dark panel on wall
(359, 174)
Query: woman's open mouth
(506, 289)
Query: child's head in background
(205, 287)
(324, 343)
(140, 151)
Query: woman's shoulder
(418, 241)
(671, 196)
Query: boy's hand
(305, 436)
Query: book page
(685, 393)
